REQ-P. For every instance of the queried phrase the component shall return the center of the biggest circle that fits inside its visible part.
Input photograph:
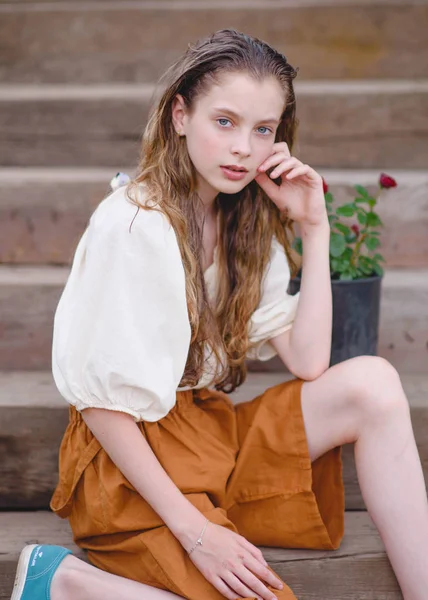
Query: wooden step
(41, 225)
(33, 417)
(29, 297)
(136, 40)
(69, 125)
(359, 569)
(402, 340)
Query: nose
(241, 145)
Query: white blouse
(121, 329)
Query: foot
(36, 567)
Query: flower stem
(363, 234)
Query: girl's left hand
(301, 190)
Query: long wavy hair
(248, 219)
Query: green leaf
(297, 245)
(343, 228)
(362, 218)
(379, 257)
(370, 201)
(337, 244)
(335, 264)
(346, 277)
(371, 243)
(365, 264)
(328, 197)
(373, 220)
(365, 260)
(362, 191)
(332, 219)
(347, 254)
(378, 269)
(347, 210)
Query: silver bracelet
(199, 540)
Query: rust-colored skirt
(245, 467)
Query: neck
(208, 196)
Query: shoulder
(119, 218)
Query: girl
(179, 277)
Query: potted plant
(356, 271)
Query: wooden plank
(27, 305)
(358, 570)
(29, 297)
(137, 40)
(33, 418)
(40, 226)
(100, 127)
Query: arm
(305, 348)
(127, 447)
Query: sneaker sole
(21, 571)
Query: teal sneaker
(36, 567)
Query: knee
(375, 388)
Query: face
(234, 124)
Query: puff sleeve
(121, 328)
(277, 308)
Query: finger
(275, 159)
(253, 550)
(266, 183)
(249, 579)
(264, 573)
(284, 147)
(286, 165)
(278, 158)
(223, 588)
(299, 171)
(283, 168)
(240, 585)
(305, 170)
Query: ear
(178, 111)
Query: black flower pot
(356, 307)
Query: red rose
(356, 230)
(324, 186)
(386, 182)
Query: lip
(233, 175)
(236, 167)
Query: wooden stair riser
(347, 128)
(42, 218)
(137, 42)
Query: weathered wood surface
(29, 297)
(135, 41)
(358, 570)
(28, 300)
(33, 418)
(342, 124)
(402, 339)
(43, 212)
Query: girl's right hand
(230, 563)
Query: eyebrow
(223, 109)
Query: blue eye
(222, 120)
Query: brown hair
(248, 219)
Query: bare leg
(362, 400)
(77, 580)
